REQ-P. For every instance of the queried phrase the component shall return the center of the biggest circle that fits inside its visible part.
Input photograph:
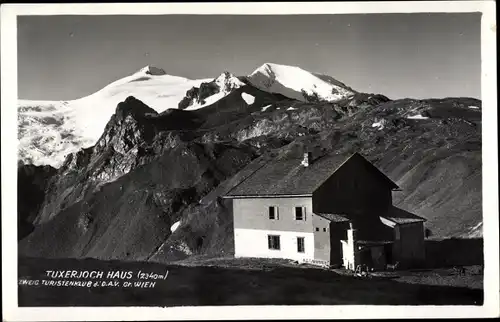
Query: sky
(415, 55)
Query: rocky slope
(132, 216)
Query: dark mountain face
(148, 171)
(132, 137)
(131, 216)
(31, 185)
(198, 94)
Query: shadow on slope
(234, 108)
(130, 217)
(31, 184)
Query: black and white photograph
(266, 159)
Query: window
(324, 229)
(273, 213)
(300, 213)
(273, 242)
(300, 245)
(317, 229)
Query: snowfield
(249, 99)
(379, 125)
(175, 226)
(266, 107)
(417, 117)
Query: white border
(9, 163)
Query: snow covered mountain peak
(295, 82)
(210, 92)
(271, 69)
(151, 70)
(227, 82)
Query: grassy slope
(445, 188)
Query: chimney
(307, 159)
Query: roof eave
(329, 219)
(420, 219)
(266, 196)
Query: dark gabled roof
(287, 177)
(401, 217)
(333, 217)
